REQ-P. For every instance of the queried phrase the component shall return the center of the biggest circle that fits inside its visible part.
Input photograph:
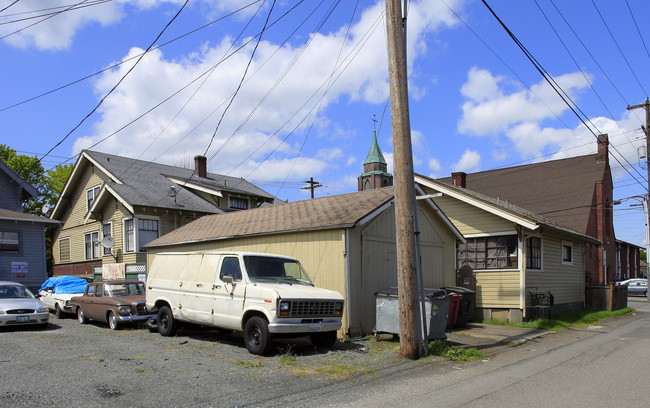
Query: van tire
(324, 339)
(167, 325)
(257, 338)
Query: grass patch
(250, 364)
(442, 349)
(343, 372)
(288, 357)
(565, 320)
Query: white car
(56, 293)
(19, 306)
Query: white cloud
(435, 167)
(469, 162)
(266, 141)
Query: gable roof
(560, 190)
(500, 208)
(28, 190)
(332, 212)
(141, 183)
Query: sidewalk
(489, 336)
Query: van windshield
(277, 270)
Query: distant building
(375, 169)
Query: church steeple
(375, 168)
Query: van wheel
(81, 316)
(257, 338)
(324, 339)
(167, 325)
(112, 321)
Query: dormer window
(238, 203)
(91, 195)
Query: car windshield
(15, 292)
(273, 269)
(124, 289)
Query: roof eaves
(194, 186)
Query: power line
(637, 28)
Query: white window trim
(99, 255)
(569, 244)
(110, 224)
(69, 249)
(97, 188)
(124, 233)
(137, 230)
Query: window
(534, 253)
(91, 243)
(91, 194)
(107, 232)
(9, 242)
(498, 252)
(147, 231)
(64, 249)
(567, 253)
(366, 185)
(129, 236)
(238, 203)
(230, 266)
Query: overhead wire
(627, 3)
(9, 5)
(50, 13)
(44, 19)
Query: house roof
(500, 207)
(560, 190)
(9, 215)
(332, 212)
(28, 189)
(141, 183)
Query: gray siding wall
(10, 194)
(32, 251)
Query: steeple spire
(374, 168)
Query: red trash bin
(454, 305)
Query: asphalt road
(74, 365)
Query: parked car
(56, 293)
(262, 295)
(19, 306)
(113, 302)
(637, 287)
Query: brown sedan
(112, 302)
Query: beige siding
(565, 281)
(472, 220)
(498, 289)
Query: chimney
(200, 166)
(603, 149)
(458, 179)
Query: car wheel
(112, 321)
(167, 325)
(325, 339)
(58, 312)
(257, 338)
(81, 316)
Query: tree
(49, 183)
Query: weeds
(565, 320)
(288, 357)
(442, 349)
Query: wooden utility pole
(646, 130)
(312, 185)
(404, 183)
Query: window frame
(90, 201)
(125, 234)
(528, 255)
(233, 199)
(136, 233)
(19, 246)
(109, 224)
(567, 244)
(93, 245)
(138, 230)
(69, 249)
(486, 247)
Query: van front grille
(310, 308)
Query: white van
(262, 295)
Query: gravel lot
(70, 364)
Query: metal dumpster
(436, 306)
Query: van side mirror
(228, 279)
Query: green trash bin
(466, 307)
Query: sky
(281, 92)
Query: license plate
(314, 327)
(22, 319)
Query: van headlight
(338, 308)
(285, 307)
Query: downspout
(521, 259)
(347, 281)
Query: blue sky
(317, 79)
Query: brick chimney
(603, 149)
(200, 166)
(458, 179)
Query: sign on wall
(113, 271)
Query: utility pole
(646, 130)
(404, 183)
(312, 185)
